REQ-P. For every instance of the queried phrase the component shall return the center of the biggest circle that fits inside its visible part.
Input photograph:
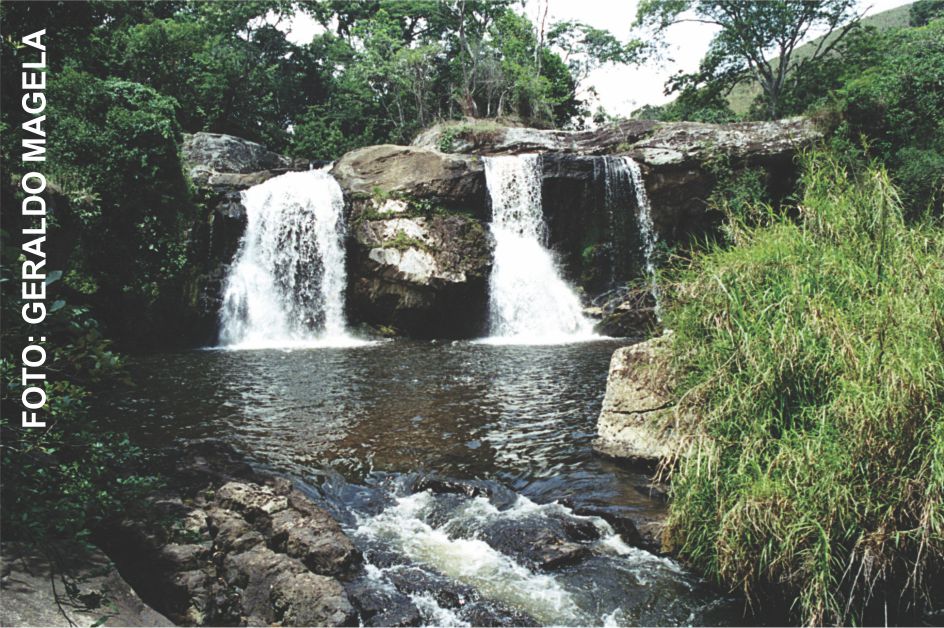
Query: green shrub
(898, 106)
(811, 366)
(59, 481)
(115, 152)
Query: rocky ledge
(635, 421)
(229, 546)
(419, 252)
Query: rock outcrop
(677, 158)
(227, 546)
(425, 276)
(454, 182)
(635, 421)
(68, 584)
(419, 253)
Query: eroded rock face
(246, 549)
(425, 276)
(454, 182)
(633, 421)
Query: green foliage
(897, 104)
(811, 368)
(401, 242)
(750, 36)
(692, 104)
(115, 154)
(61, 480)
(922, 12)
(742, 197)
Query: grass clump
(811, 364)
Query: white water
(646, 228)
(453, 548)
(529, 301)
(286, 285)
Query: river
(452, 465)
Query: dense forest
(832, 304)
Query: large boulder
(423, 275)
(68, 584)
(635, 421)
(454, 182)
(216, 159)
(245, 548)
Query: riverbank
(797, 407)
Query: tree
(756, 41)
(923, 11)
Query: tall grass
(811, 366)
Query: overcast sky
(622, 89)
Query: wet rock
(379, 607)
(483, 613)
(440, 485)
(580, 530)
(68, 585)
(540, 544)
(426, 276)
(633, 421)
(622, 520)
(447, 593)
(308, 599)
(315, 539)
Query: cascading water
(286, 285)
(623, 176)
(529, 301)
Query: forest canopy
(373, 72)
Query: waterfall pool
(454, 466)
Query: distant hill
(743, 95)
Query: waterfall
(286, 284)
(622, 175)
(529, 301)
(646, 228)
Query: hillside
(743, 95)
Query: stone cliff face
(419, 250)
(419, 254)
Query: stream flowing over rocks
(319, 474)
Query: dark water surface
(365, 428)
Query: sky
(622, 89)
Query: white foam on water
(469, 560)
(530, 303)
(285, 288)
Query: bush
(898, 106)
(58, 482)
(812, 358)
(114, 152)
